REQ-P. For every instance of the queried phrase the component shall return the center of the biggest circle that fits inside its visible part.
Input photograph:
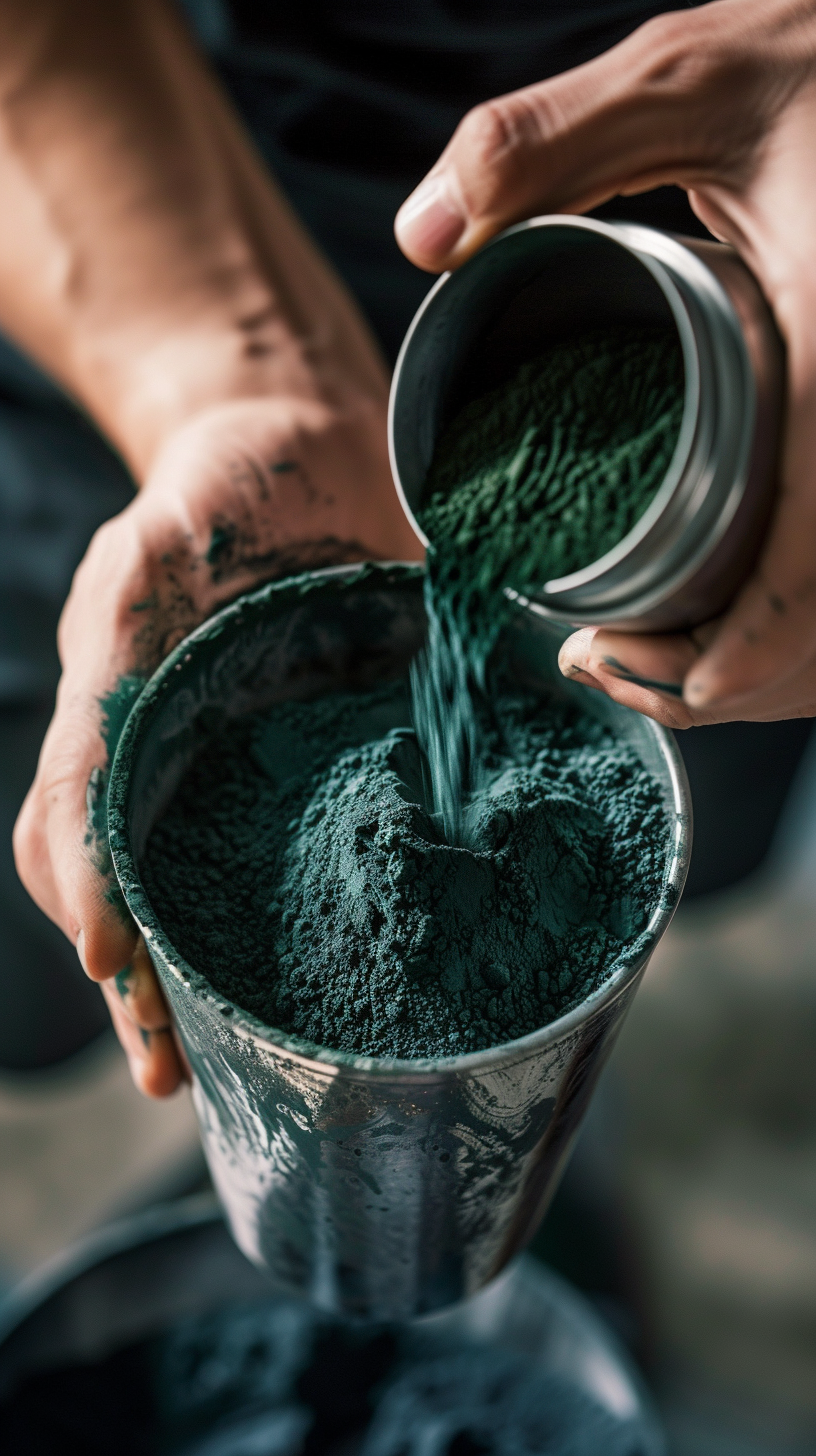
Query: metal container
(137, 1279)
(553, 277)
(381, 1189)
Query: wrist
(144, 382)
(143, 390)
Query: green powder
(431, 872)
(547, 473)
(299, 869)
(529, 483)
(115, 708)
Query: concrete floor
(717, 1063)
(79, 1145)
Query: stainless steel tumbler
(377, 1188)
(552, 277)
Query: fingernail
(80, 950)
(431, 220)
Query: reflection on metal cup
(380, 1189)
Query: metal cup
(551, 277)
(377, 1188)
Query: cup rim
(330, 1062)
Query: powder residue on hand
(301, 869)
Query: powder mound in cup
(301, 869)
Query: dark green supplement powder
(300, 869)
(529, 483)
(435, 872)
(547, 473)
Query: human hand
(149, 263)
(244, 491)
(722, 101)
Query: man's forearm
(145, 258)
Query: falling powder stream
(529, 483)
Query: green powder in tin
(434, 874)
(548, 472)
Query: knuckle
(687, 53)
(714, 81)
(495, 142)
(668, 34)
(502, 125)
(672, 61)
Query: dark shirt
(351, 101)
(377, 86)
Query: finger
(60, 840)
(152, 1056)
(84, 904)
(644, 673)
(638, 116)
(31, 857)
(140, 993)
(659, 662)
(61, 850)
(630, 678)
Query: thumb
(60, 841)
(634, 118)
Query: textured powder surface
(300, 869)
(547, 473)
(529, 483)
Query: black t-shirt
(351, 101)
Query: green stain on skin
(123, 982)
(221, 543)
(148, 605)
(115, 707)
